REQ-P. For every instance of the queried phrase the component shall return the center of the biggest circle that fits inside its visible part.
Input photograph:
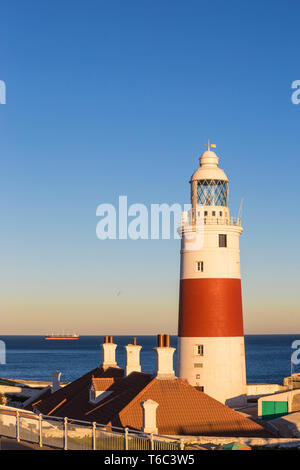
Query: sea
(268, 357)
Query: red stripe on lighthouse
(210, 307)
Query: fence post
(126, 438)
(18, 425)
(94, 435)
(65, 433)
(40, 430)
(151, 442)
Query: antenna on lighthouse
(240, 209)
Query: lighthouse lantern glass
(212, 193)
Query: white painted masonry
(132, 358)
(164, 362)
(109, 355)
(221, 371)
(149, 416)
(228, 385)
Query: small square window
(199, 266)
(200, 388)
(222, 240)
(198, 365)
(197, 376)
(213, 213)
(205, 213)
(199, 350)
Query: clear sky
(109, 98)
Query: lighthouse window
(199, 266)
(222, 240)
(212, 193)
(199, 350)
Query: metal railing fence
(187, 221)
(70, 434)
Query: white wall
(223, 373)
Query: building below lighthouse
(113, 398)
(211, 352)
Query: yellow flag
(213, 146)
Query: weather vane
(209, 145)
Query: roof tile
(182, 409)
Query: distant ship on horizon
(62, 336)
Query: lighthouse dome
(209, 169)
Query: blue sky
(109, 98)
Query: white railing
(187, 222)
(70, 434)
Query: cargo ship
(63, 336)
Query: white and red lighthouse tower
(211, 353)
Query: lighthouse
(211, 351)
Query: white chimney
(132, 357)
(55, 380)
(109, 353)
(164, 358)
(149, 416)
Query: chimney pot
(134, 342)
(111, 339)
(164, 358)
(160, 342)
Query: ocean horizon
(31, 357)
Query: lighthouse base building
(150, 403)
(211, 352)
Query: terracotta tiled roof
(122, 392)
(55, 403)
(102, 384)
(182, 409)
